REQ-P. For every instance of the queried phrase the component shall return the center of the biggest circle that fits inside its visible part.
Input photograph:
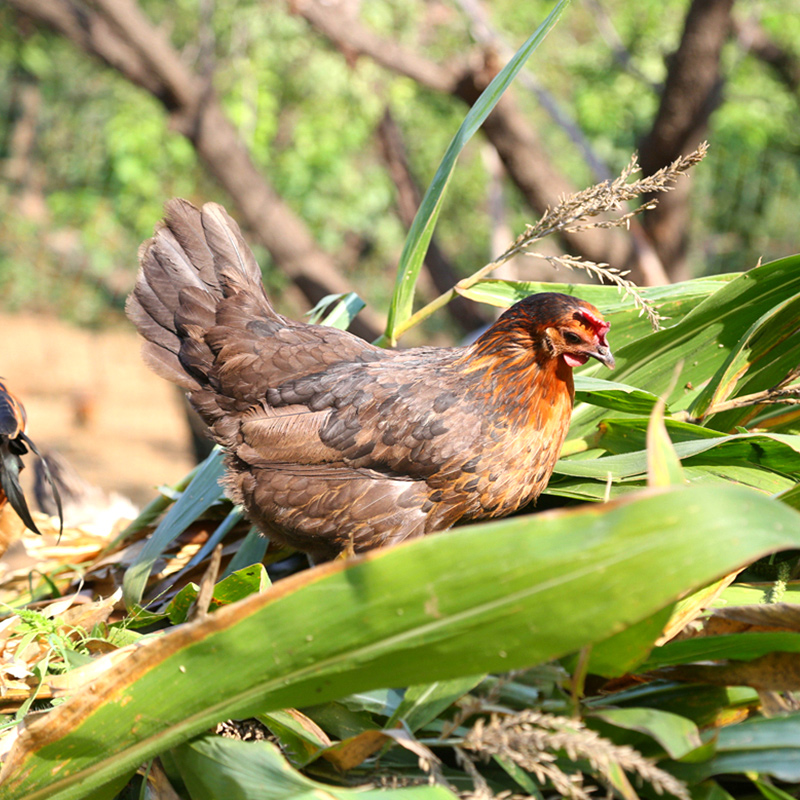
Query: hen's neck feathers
(513, 365)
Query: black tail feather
(10, 466)
(49, 476)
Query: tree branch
(755, 40)
(528, 165)
(693, 90)
(117, 32)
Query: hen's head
(553, 326)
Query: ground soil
(89, 396)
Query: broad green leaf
(663, 464)
(213, 767)
(419, 236)
(426, 701)
(717, 471)
(710, 790)
(738, 646)
(763, 356)
(342, 721)
(702, 340)
(625, 651)
(706, 706)
(758, 745)
(592, 490)
(729, 471)
(745, 594)
(673, 301)
(791, 496)
(628, 435)
(240, 584)
(111, 790)
(676, 734)
(489, 597)
(610, 394)
(203, 491)
(300, 738)
(777, 451)
(769, 791)
(380, 702)
(236, 586)
(178, 609)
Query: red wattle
(574, 360)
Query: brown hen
(335, 445)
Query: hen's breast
(522, 430)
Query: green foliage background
(694, 495)
(106, 158)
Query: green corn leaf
(419, 236)
(489, 597)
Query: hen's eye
(572, 338)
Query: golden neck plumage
(526, 383)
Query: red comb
(601, 327)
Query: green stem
(443, 299)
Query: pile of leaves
(614, 644)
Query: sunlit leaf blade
(778, 451)
(763, 356)
(693, 605)
(663, 464)
(741, 594)
(300, 738)
(702, 340)
(203, 491)
(610, 394)
(706, 706)
(759, 745)
(214, 768)
(419, 237)
(486, 598)
(739, 646)
(426, 701)
(676, 734)
(623, 652)
(769, 791)
(627, 435)
(672, 301)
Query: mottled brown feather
(335, 445)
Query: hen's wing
(369, 453)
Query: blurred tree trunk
(693, 90)
(119, 34)
(528, 165)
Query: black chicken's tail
(196, 260)
(14, 443)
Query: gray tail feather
(195, 259)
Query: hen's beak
(603, 354)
